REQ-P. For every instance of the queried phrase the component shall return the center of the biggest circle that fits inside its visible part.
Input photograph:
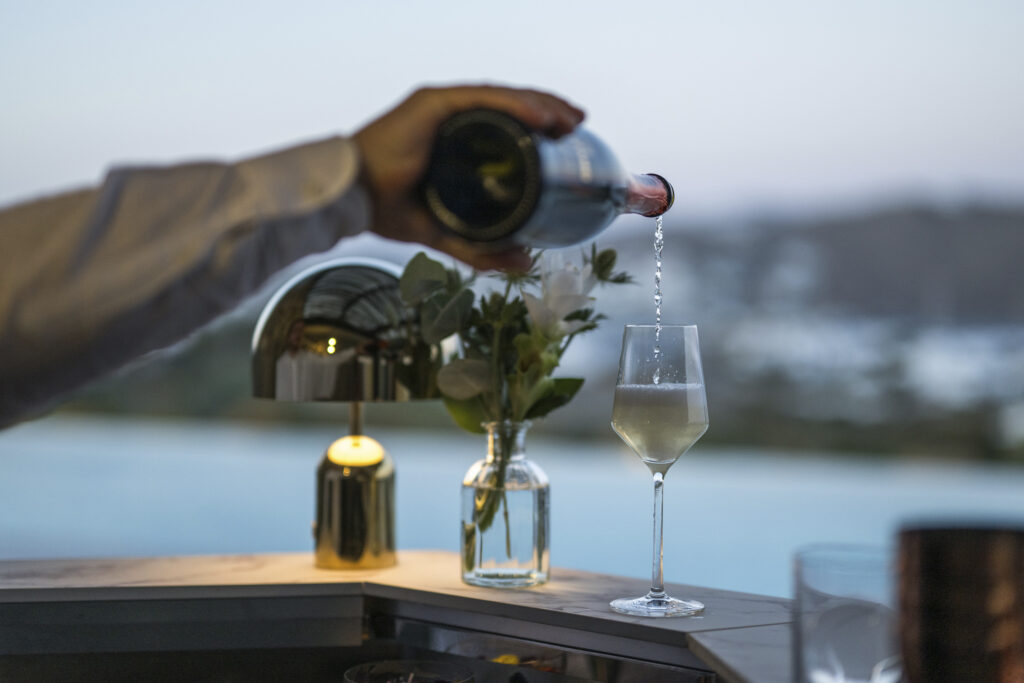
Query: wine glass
(660, 411)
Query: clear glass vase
(505, 504)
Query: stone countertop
(742, 637)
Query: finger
(540, 110)
(568, 115)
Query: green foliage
(504, 369)
(561, 391)
(464, 378)
(603, 265)
(443, 314)
(468, 413)
(422, 277)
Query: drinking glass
(660, 411)
(844, 624)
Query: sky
(742, 105)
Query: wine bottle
(492, 180)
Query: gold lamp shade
(339, 331)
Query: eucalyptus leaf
(560, 393)
(468, 414)
(536, 388)
(568, 386)
(429, 309)
(464, 378)
(422, 277)
(448, 318)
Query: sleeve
(91, 279)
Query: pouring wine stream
(659, 244)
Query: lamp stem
(355, 418)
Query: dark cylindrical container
(961, 602)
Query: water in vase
(509, 546)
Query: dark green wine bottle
(492, 180)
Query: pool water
(733, 518)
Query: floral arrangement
(511, 340)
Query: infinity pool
(95, 487)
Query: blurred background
(847, 233)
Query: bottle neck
(506, 440)
(649, 195)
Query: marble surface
(739, 635)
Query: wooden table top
(742, 637)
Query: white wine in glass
(660, 411)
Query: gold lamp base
(355, 506)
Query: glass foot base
(505, 579)
(651, 606)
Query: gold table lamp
(338, 331)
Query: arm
(91, 279)
(94, 278)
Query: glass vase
(505, 520)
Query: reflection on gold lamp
(339, 331)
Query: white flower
(565, 288)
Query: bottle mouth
(668, 188)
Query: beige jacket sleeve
(94, 278)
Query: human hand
(396, 147)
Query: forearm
(95, 278)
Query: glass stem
(657, 561)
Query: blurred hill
(894, 330)
(919, 265)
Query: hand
(396, 149)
